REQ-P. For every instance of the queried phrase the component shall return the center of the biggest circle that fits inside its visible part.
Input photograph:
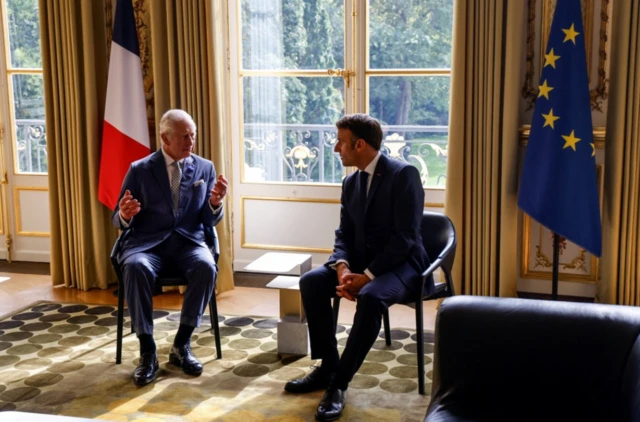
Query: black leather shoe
(184, 358)
(331, 405)
(318, 379)
(145, 372)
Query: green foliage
(28, 96)
(24, 33)
(410, 34)
(24, 45)
(324, 100)
(295, 47)
(304, 37)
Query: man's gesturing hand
(219, 191)
(129, 206)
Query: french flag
(125, 137)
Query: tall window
(305, 63)
(24, 74)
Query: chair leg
(420, 340)
(336, 310)
(387, 330)
(213, 312)
(120, 322)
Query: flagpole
(556, 259)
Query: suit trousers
(180, 256)
(317, 287)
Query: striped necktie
(176, 175)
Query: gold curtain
(482, 167)
(620, 268)
(75, 74)
(183, 42)
(188, 64)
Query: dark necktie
(363, 179)
(361, 242)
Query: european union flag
(558, 187)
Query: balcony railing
(304, 153)
(287, 152)
(31, 146)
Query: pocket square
(198, 183)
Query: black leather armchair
(503, 359)
(168, 279)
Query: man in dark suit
(377, 260)
(167, 199)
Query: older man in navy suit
(167, 199)
(377, 260)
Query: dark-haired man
(377, 260)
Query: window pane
(24, 33)
(289, 129)
(410, 34)
(292, 34)
(414, 112)
(31, 141)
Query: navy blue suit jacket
(383, 234)
(148, 181)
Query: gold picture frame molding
(599, 133)
(17, 206)
(530, 273)
(245, 245)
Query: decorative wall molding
(599, 134)
(17, 210)
(276, 246)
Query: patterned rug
(60, 359)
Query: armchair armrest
(211, 238)
(444, 261)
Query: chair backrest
(439, 239)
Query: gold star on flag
(550, 59)
(593, 145)
(570, 141)
(544, 90)
(570, 34)
(549, 119)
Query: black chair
(168, 279)
(439, 240)
(508, 359)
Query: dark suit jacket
(148, 181)
(384, 233)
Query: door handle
(344, 73)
